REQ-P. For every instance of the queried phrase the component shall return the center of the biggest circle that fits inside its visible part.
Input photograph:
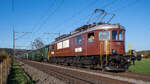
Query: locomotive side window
(120, 35)
(66, 44)
(59, 45)
(79, 40)
(114, 35)
(91, 37)
(104, 35)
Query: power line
(125, 6)
(109, 4)
(24, 33)
(49, 15)
(12, 6)
(44, 16)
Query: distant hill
(145, 53)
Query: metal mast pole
(14, 50)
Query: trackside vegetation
(142, 66)
(3, 55)
(5, 64)
(18, 76)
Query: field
(142, 66)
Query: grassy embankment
(142, 66)
(18, 76)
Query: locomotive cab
(113, 39)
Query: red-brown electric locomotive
(92, 45)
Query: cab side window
(79, 40)
(120, 35)
(91, 37)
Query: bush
(3, 55)
(146, 56)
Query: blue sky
(39, 16)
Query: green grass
(142, 66)
(18, 76)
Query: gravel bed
(41, 77)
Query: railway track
(68, 78)
(132, 75)
(72, 75)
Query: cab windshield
(104, 35)
(114, 35)
(117, 35)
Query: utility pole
(14, 40)
(14, 50)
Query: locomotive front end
(112, 48)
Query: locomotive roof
(96, 27)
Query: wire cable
(46, 18)
(125, 6)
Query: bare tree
(37, 43)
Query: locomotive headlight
(128, 60)
(113, 51)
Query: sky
(53, 16)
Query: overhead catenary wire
(109, 4)
(49, 15)
(44, 16)
(38, 27)
(125, 6)
(12, 6)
